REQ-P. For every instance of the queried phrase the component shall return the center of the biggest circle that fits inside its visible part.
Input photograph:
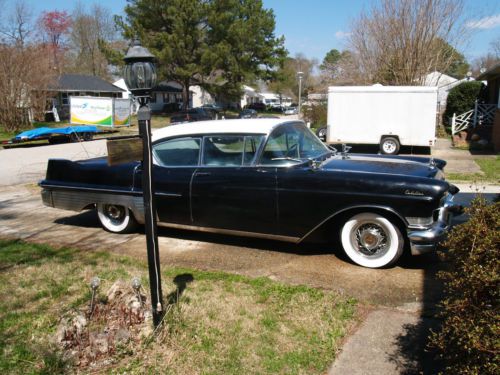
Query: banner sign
(121, 112)
(99, 111)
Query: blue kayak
(48, 132)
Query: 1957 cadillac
(268, 178)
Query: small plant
(468, 339)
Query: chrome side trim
(162, 194)
(352, 208)
(80, 188)
(232, 232)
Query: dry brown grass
(216, 322)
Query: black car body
(248, 113)
(257, 106)
(268, 178)
(191, 115)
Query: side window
(181, 152)
(252, 144)
(223, 151)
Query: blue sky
(313, 27)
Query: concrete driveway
(411, 285)
(28, 164)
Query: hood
(386, 165)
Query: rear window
(181, 152)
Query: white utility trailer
(391, 116)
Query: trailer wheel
(389, 146)
(88, 136)
(321, 133)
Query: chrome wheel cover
(115, 214)
(370, 239)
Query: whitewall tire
(116, 218)
(371, 240)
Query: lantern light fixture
(140, 70)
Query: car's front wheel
(371, 240)
(116, 218)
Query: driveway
(411, 285)
(28, 164)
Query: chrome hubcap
(115, 213)
(371, 239)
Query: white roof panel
(240, 126)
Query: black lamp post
(140, 76)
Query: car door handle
(203, 174)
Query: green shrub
(462, 97)
(468, 341)
(315, 114)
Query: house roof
(165, 87)
(81, 82)
(490, 73)
(438, 79)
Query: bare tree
(25, 70)
(18, 27)
(495, 46)
(25, 74)
(399, 41)
(90, 30)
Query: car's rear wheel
(371, 240)
(389, 145)
(116, 218)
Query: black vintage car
(268, 178)
(191, 115)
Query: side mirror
(314, 164)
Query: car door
(229, 191)
(301, 191)
(175, 162)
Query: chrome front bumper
(425, 240)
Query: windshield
(292, 143)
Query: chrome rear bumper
(425, 240)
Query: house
(316, 98)
(68, 85)
(492, 77)
(275, 100)
(166, 96)
(444, 83)
(250, 96)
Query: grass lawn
(223, 323)
(490, 168)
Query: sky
(313, 27)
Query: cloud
(341, 34)
(485, 23)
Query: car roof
(239, 126)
